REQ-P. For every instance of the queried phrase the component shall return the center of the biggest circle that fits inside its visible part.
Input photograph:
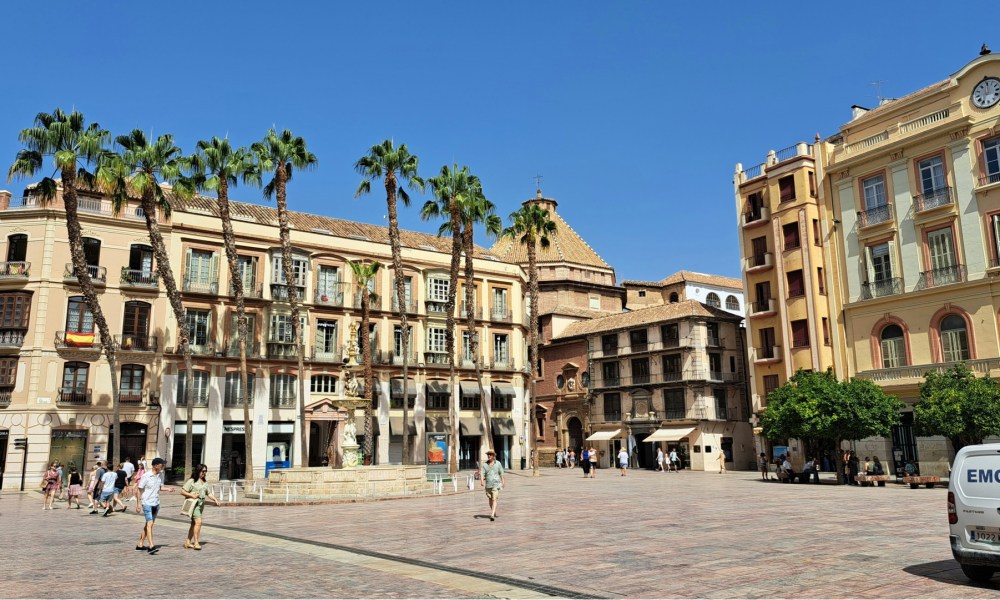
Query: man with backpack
(99, 478)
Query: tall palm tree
(364, 274)
(284, 153)
(447, 187)
(216, 166)
(394, 166)
(72, 145)
(137, 170)
(531, 226)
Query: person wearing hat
(491, 476)
(149, 497)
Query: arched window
(732, 303)
(954, 339)
(893, 345)
(673, 297)
(713, 300)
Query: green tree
(283, 154)
(447, 187)
(139, 169)
(364, 274)
(394, 166)
(73, 145)
(531, 227)
(217, 167)
(817, 406)
(958, 405)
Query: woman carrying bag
(196, 488)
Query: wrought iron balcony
(280, 350)
(501, 314)
(715, 341)
(329, 353)
(875, 215)
(6, 394)
(410, 306)
(201, 286)
(132, 397)
(879, 289)
(943, 276)
(18, 270)
(98, 275)
(503, 363)
(433, 357)
(93, 205)
(251, 289)
(286, 400)
(397, 358)
(136, 343)
(933, 199)
(200, 398)
(74, 396)
(280, 292)
(329, 296)
(989, 179)
(78, 340)
(464, 313)
(253, 349)
(12, 338)
(139, 278)
(436, 307)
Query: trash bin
(524, 463)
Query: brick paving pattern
(697, 535)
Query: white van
(974, 510)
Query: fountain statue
(351, 401)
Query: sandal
(187, 544)
(196, 546)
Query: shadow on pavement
(948, 571)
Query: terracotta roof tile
(572, 311)
(644, 316)
(566, 245)
(690, 276)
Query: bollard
(286, 493)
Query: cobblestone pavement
(649, 534)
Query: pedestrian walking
(108, 490)
(92, 483)
(659, 459)
(592, 457)
(50, 486)
(623, 461)
(762, 464)
(139, 472)
(674, 460)
(149, 500)
(559, 459)
(197, 487)
(98, 486)
(585, 462)
(491, 476)
(722, 461)
(572, 458)
(75, 488)
(121, 480)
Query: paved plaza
(646, 535)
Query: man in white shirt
(623, 461)
(129, 468)
(149, 500)
(108, 490)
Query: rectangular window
(673, 401)
(762, 293)
(140, 258)
(767, 349)
(437, 289)
(609, 343)
(796, 284)
(501, 348)
(300, 266)
(79, 319)
(941, 249)
(328, 279)
(407, 293)
(74, 382)
(755, 205)
(14, 310)
(200, 394)
(323, 384)
(672, 367)
(609, 371)
(502, 401)
(436, 339)
(670, 335)
(130, 386)
(437, 396)
(770, 384)
(759, 250)
(92, 251)
(17, 248)
(326, 337)
(826, 331)
(817, 237)
(721, 406)
(500, 303)
(469, 400)
(786, 188)
(715, 365)
(283, 389)
(637, 340)
(201, 268)
(233, 396)
(640, 371)
(234, 334)
(991, 160)
(821, 280)
(931, 172)
(397, 339)
(812, 184)
(874, 192)
(197, 322)
(467, 347)
(800, 333)
(612, 407)
(280, 330)
(790, 232)
(8, 374)
(594, 303)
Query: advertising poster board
(437, 452)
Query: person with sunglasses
(197, 488)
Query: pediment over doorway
(324, 410)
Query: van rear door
(976, 481)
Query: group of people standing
(853, 467)
(668, 462)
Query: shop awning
(396, 426)
(396, 385)
(503, 426)
(471, 425)
(603, 436)
(436, 424)
(359, 422)
(502, 388)
(469, 388)
(669, 434)
(438, 387)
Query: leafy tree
(958, 405)
(73, 145)
(394, 166)
(814, 405)
(531, 226)
(282, 154)
(216, 167)
(364, 274)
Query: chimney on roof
(984, 50)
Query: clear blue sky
(635, 113)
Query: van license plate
(985, 535)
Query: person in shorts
(108, 491)
(491, 476)
(623, 461)
(148, 503)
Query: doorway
(3, 454)
(133, 439)
(233, 457)
(904, 446)
(574, 430)
(69, 447)
(468, 452)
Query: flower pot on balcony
(324, 298)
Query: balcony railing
(11, 339)
(251, 289)
(715, 341)
(200, 398)
(328, 296)
(875, 215)
(200, 286)
(762, 307)
(98, 275)
(75, 340)
(138, 278)
(982, 366)
(933, 199)
(756, 215)
(328, 353)
(432, 357)
(73, 396)
(878, 289)
(279, 350)
(132, 397)
(93, 205)
(136, 343)
(14, 270)
(6, 394)
(397, 358)
(989, 179)
(768, 353)
(476, 312)
(409, 306)
(253, 350)
(29, 201)
(501, 314)
(504, 363)
(436, 307)
(942, 276)
(759, 261)
(282, 400)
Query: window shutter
(187, 266)
(893, 261)
(996, 236)
(869, 265)
(213, 275)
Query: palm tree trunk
(470, 319)
(456, 253)
(533, 325)
(75, 235)
(281, 180)
(236, 280)
(366, 353)
(183, 333)
(404, 334)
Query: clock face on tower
(986, 93)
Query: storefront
(601, 441)
(176, 470)
(396, 432)
(279, 446)
(233, 458)
(69, 447)
(133, 440)
(673, 439)
(469, 440)
(503, 433)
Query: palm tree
(385, 161)
(72, 145)
(216, 166)
(531, 226)
(140, 168)
(364, 274)
(447, 187)
(283, 153)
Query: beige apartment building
(55, 383)
(909, 221)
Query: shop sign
(233, 428)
